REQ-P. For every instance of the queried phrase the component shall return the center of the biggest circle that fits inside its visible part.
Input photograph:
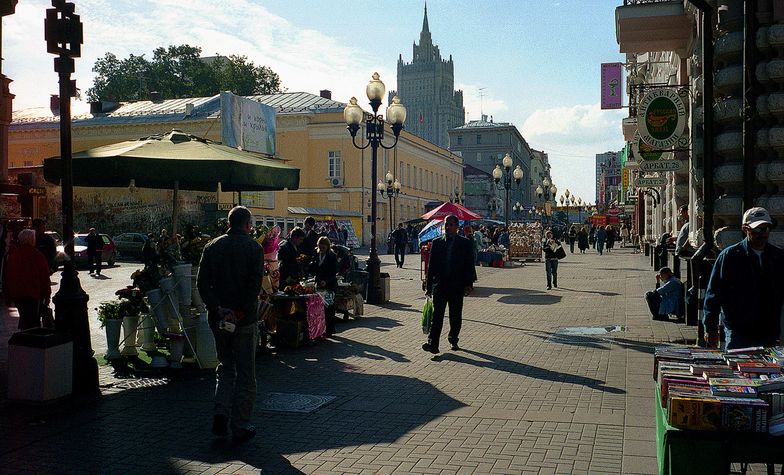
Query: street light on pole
(518, 209)
(391, 190)
(507, 173)
(374, 125)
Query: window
(432, 186)
(408, 175)
(460, 140)
(478, 139)
(335, 165)
(385, 168)
(420, 178)
(400, 174)
(498, 138)
(415, 177)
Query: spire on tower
(425, 27)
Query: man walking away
(94, 243)
(450, 277)
(572, 238)
(668, 296)
(229, 281)
(400, 238)
(744, 290)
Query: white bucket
(205, 345)
(182, 278)
(157, 304)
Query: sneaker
(430, 348)
(220, 425)
(549, 287)
(244, 435)
(455, 347)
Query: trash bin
(40, 365)
(385, 293)
(359, 278)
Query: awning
(324, 212)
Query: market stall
(295, 317)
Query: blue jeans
(551, 267)
(235, 376)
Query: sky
(533, 63)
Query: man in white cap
(745, 288)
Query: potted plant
(110, 314)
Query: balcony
(643, 26)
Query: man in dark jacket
(400, 238)
(45, 243)
(311, 237)
(745, 288)
(450, 277)
(290, 254)
(94, 243)
(229, 281)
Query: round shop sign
(661, 118)
(644, 152)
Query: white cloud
(305, 59)
(572, 136)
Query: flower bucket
(148, 333)
(176, 347)
(167, 285)
(113, 327)
(205, 345)
(182, 279)
(129, 325)
(158, 361)
(157, 304)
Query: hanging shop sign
(644, 152)
(655, 181)
(611, 85)
(661, 166)
(624, 179)
(661, 118)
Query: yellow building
(335, 176)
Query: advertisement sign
(246, 124)
(599, 220)
(646, 181)
(624, 180)
(611, 85)
(644, 152)
(661, 118)
(661, 166)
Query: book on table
(734, 391)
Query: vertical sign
(624, 183)
(247, 124)
(611, 85)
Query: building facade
(335, 176)
(608, 178)
(426, 87)
(483, 144)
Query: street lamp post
(390, 190)
(544, 192)
(507, 173)
(374, 126)
(518, 209)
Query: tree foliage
(176, 72)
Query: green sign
(661, 118)
(643, 151)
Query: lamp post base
(374, 294)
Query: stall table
(710, 452)
(296, 319)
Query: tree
(176, 72)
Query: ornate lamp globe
(546, 182)
(566, 193)
(396, 112)
(553, 190)
(539, 190)
(396, 185)
(375, 89)
(561, 199)
(389, 177)
(517, 173)
(380, 186)
(507, 161)
(497, 173)
(353, 114)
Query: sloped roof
(171, 110)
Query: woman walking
(550, 246)
(601, 236)
(582, 240)
(611, 236)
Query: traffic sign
(651, 182)
(661, 166)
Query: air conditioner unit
(337, 181)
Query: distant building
(608, 177)
(540, 168)
(426, 88)
(483, 144)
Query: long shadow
(517, 296)
(514, 367)
(400, 307)
(378, 323)
(606, 294)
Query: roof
(323, 211)
(468, 170)
(477, 124)
(172, 110)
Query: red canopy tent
(444, 210)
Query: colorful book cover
(694, 413)
(731, 382)
(734, 391)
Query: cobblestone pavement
(520, 397)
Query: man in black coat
(400, 238)
(450, 277)
(309, 244)
(94, 243)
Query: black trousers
(400, 254)
(29, 312)
(440, 301)
(654, 301)
(94, 261)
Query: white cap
(756, 216)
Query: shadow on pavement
(514, 367)
(400, 307)
(378, 323)
(598, 292)
(517, 296)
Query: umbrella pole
(174, 208)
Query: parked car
(129, 245)
(109, 252)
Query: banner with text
(247, 124)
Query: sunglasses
(760, 229)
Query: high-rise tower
(426, 87)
